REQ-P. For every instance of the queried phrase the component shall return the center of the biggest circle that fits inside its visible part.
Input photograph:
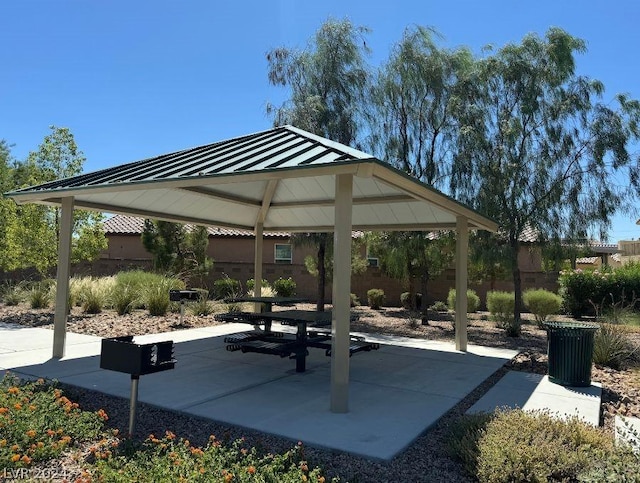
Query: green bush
(439, 306)
(541, 303)
(285, 287)
(251, 283)
(515, 446)
(355, 301)
(501, 306)
(226, 287)
(473, 301)
(375, 298)
(612, 347)
(585, 291)
(406, 301)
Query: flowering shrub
(172, 459)
(585, 291)
(37, 422)
(285, 287)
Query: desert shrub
(124, 297)
(13, 295)
(40, 295)
(138, 280)
(405, 300)
(251, 283)
(355, 301)
(473, 301)
(464, 437)
(95, 293)
(285, 287)
(541, 303)
(612, 347)
(156, 295)
(226, 287)
(501, 306)
(439, 306)
(536, 447)
(202, 306)
(375, 298)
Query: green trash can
(570, 351)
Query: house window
(372, 261)
(282, 253)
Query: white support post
(62, 280)
(462, 247)
(257, 264)
(341, 294)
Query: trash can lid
(571, 325)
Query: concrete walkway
(396, 392)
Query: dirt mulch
(426, 459)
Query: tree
(413, 256)
(413, 105)
(322, 265)
(326, 84)
(32, 231)
(537, 149)
(178, 249)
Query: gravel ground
(426, 459)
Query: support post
(462, 250)
(257, 264)
(341, 297)
(133, 403)
(62, 279)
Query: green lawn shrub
(137, 281)
(473, 301)
(226, 287)
(541, 303)
(375, 298)
(285, 287)
(612, 347)
(501, 306)
(516, 446)
(355, 301)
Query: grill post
(133, 403)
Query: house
(233, 250)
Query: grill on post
(182, 296)
(121, 354)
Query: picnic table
(278, 343)
(268, 301)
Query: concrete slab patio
(396, 392)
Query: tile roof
(133, 225)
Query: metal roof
(284, 177)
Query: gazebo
(281, 179)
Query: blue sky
(133, 79)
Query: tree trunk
(423, 300)
(321, 276)
(517, 283)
